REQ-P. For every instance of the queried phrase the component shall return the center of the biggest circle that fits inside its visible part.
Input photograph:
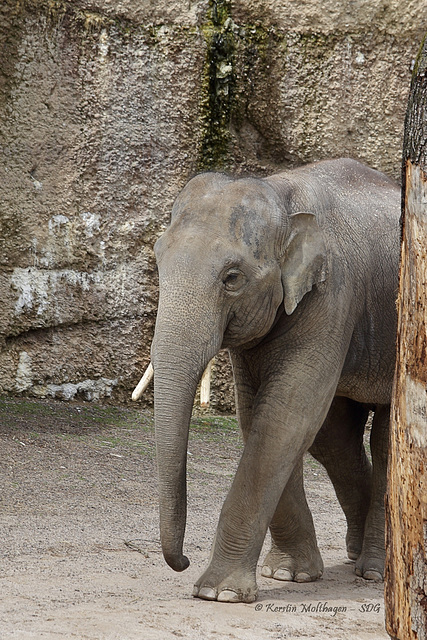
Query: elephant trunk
(173, 401)
(179, 359)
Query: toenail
(283, 574)
(228, 596)
(207, 593)
(303, 577)
(372, 574)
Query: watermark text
(315, 607)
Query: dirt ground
(80, 555)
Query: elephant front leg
(266, 465)
(294, 554)
(287, 411)
(231, 574)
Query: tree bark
(406, 500)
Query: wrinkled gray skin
(297, 275)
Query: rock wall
(107, 108)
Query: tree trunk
(406, 502)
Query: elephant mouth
(235, 334)
(239, 334)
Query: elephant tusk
(205, 386)
(143, 383)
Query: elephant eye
(233, 280)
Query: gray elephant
(295, 274)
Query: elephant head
(235, 252)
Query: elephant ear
(303, 262)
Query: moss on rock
(217, 87)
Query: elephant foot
(303, 565)
(354, 543)
(237, 587)
(370, 567)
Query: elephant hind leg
(294, 554)
(339, 448)
(370, 564)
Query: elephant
(296, 274)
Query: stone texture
(107, 108)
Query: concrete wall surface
(106, 110)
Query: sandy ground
(80, 554)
